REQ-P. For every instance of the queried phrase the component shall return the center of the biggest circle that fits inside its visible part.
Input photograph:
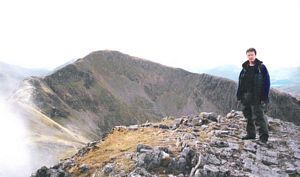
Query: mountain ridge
(112, 84)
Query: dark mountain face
(108, 88)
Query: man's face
(251, 56)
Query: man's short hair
(251, 50)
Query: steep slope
(205, 145)
(46, 140)
(108, 88)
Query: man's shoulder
(262, 65)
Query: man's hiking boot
(264, 138)
(247, 137)
(262, 143)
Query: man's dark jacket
(261, 84)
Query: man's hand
(239, 104)
(265, 105)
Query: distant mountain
(291, 83)
(285, 79)
(89, 97)
(228, 71)
(11, 75)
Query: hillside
(205, 145)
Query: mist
(14, 152)
(19, 155)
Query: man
(253, 93)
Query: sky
(188, 34)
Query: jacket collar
(256, 61)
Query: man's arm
(266, 84)
(239, 90)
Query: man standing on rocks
(253, 93)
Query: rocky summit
(204, 145)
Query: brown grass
(119, 146)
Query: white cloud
(184, 34)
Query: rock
(291, 170)
(92, 144)
(185, 122)
(203, 127)
(188, 136)
(165, 159)
(108, 168)
(178, 121)
(42, 172)
(162, 126)
(84, 168)
(68, 163)
(154, 158)
(141, 172)
(181, 164)
(234, 146)
(220, 119)
(222, 133)
(226, 153)
(141, 147)
(231, 114)
(133, 127)
(197, 121)
(210, 171)
(269, 160)
(271, 153)
(220, 144)
(297, 155)
(178, 142)
(248, 163)
(147, 124)
(187, 153)
(250, 146)
(45, 172)
(120, 128)
(210, 116)
(121, 174)
(85, 150)
(196, 130)
(267, 157)
(132, 174)
(212, 159)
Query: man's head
(251, 54)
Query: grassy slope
(118, 146)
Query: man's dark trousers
(255, 117)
